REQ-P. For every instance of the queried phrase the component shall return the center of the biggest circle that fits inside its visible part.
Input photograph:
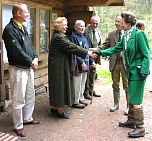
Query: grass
(104, 74)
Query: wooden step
(7, 137)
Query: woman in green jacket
(134, 43)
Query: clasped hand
(142, 76)
(95, 50)
(92, 54)
(34, 64)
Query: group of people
(72, 67)
(134, 44)
(78, 75)
(63, 69)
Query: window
(30, 24)
(6, 16)
(44, 30)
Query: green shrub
(104, 74)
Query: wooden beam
(85, 3)
(115, 3)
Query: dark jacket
(20, 51)
(61, 89)
(83, 42)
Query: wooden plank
(7, 137)
(85, 3)
(2, 89)
(11, 138)
(115, 3)
(4, 136)
(1, 134)
(41, 73)
(14, 139)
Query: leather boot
(116, 96)
(139, 131)
(127, 100)
(130, 123)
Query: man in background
(140, 25)
(94, 35)
(117, 65)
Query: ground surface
(94, 123)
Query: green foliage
(104, 74)
(141, 8)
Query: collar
(18, 23)
(129, 30)
(122, 31)
(79, 34)
(94, 30)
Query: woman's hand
(84, 67)
(93, 49)
(93, 55)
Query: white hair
(96, 18)
(78, 23)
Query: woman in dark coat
(134, 43)
(61, 91)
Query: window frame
(37, 8)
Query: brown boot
(139, 131)
(130, 123)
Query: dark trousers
(89, 86)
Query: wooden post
(2, 90)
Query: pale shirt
(127, 35)
(96, 35)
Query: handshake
(95, 51)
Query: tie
(119, 53)
(119, 37)
(95, 44)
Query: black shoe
(96, 76)
(94, 94)
(33, 122)
(63, 115)
(127, 124)
(88, 97)
(79, 106)
(53, 110)
(82, 102)
(20, 132)
(136, 133)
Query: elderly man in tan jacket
(117, 65)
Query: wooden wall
(71, 9)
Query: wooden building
(39, 25)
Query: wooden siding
(72, 9)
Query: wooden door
(2, 90)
